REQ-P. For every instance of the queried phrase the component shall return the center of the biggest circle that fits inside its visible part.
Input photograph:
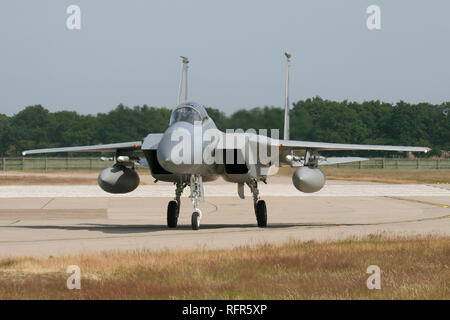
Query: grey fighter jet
(193, 151)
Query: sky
(128, 52)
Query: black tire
(261, 213)
(195, 220)
(173, 211)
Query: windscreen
(187, 114)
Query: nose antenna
(182, 94)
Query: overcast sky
(128, 52)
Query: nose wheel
(195, 219)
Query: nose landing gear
(196, 196)
(195, 219)
(196, 185)
(173, 208)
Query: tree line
(369, 122)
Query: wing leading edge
(112, 147)
(292, 144)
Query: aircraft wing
(112, 147)
(293, 145)
(286, 146)
(336, 160)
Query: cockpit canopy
(188, 112)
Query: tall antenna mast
(286, 102)
(182, 94)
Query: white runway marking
(228, 190)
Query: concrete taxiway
(55, 220)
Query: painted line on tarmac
(420, 201)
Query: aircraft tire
(195, 220)
(173, 211)
(261, 213)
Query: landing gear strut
(173, 209)
(196, 196)
(259, 205)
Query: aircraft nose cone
(175, 149)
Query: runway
(57, 220)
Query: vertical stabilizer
(286, 101)
(182, 94)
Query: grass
(45, 180)
(61, 177)
(389, 175)
(411, 268)
(400, 176)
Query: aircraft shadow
(133, 229)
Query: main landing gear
(259, 205)
(173, 211)
(173, 208)
(196, 184)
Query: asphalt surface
(57, 220)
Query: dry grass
(389, 175)
(400, 176)
(411, 268)
(81, 177)
(45, 180)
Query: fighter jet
(193, 151)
